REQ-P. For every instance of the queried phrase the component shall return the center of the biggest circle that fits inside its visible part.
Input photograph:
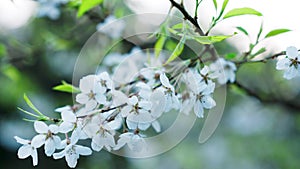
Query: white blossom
(69, 121)
(290, 64)
(172, 101)
(137, 113)
(112, 27)
(27, 150)
(72, 151)
(134, 140)
(46, 136)
(50, 8)
(223, 70)
(92, 92)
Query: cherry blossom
(134, 140)
(26, 150)
(224, 71)
(46, 136)
(113, 30)
(290, 64)
(172, 101)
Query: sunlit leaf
(224, 6)
(3, 51)
(159, 44)
(86, 5)
(65, 87)
(241, 11)
(29, 103)
(215, 4)
(230, 56)
(177, 26)
(242, 30)
(210, 39)
(260, 51)
(177, 51)
(276, 32)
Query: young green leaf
(230, 56)
(29, 103)
(86, 5)
(27, 112)
(159, 45)
(276, 32)
(177, 26)
(223, 7)
(241, 11)
(65, 87)
(242, 30)
(210, 39)
(177, 51)
(260, 51)
(215, 4)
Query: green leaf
(260, 51)
(210, 39)
(177, 26)
(230, 56)
(29, 103)
(223, 7)
(215, 4)
(242, 30)
(177, 51)
(86, 5)
(27, 112)
(159, 44)
(3, 51)
(65, 87)
(276, 32)
(241, 11)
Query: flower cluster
(113, 115)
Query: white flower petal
(40, 127)
(164, 80)
(71, 160)
(68, 116)
(66, 127)
(292, 52)
(82, 150)
(145, 105)
(119, 97)
(208, 102)
(34, 157)
(290, 73)
(53, 128)
(49, 147)
(38, 140)
(158, 102)
(133, 100)
(59, 155)
(156, 126)
(126, 110)
(283, 64)
(24, 151)
(198, 109)
(21, 141)
(100, 98)
(82, 98)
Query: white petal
(187, 106)
(34, 157)
(158, 103)
(57, 141)
(71, 160)
(100, 98)
(21, 141)
(82, 98)
(96, 146)
(24, 151)
(133, 100)
(66, 127)
(290, 73)
(208, 102)
(283, 64)
(125, 111)
(49, 147)
(53, 128)
(59, 155)
(292, 52)
(164, 80)
(204, 70)
(145, 105)
(40, 127)
(61, 109)
(156, 126)
(90, 105)
(119, 97)
(68, 116)
(38, 140)
(198, 109)
(86, 84)
(132, 125)
(82, 150)
(209, 88)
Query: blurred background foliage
(37, 56)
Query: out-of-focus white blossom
(111, 27)
(224, 71)
(290, 64)
(135, 141)
(50, 8)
